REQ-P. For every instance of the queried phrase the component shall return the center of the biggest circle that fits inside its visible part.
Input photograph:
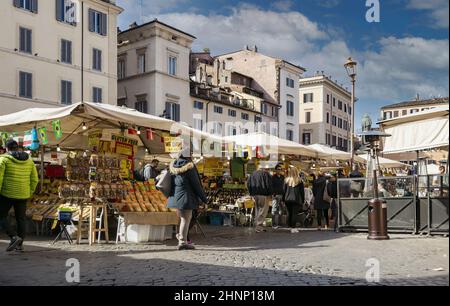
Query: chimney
(246, 47)
(133, 25)
(417, 97)
(256, 49)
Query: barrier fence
(416, 204)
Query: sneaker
(186, 247)
(15, 241)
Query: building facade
(325, 113)
(57, 52)
(410, 107)
(277, 80)
(153, 70)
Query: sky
(405, 54)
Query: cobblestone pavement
(236, 257)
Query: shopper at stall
(293, 194)
(151, 170)
(333, 192)
(277, 201)
(187, 192)
(260, 187)
(321, 203)
(18, 181)
(356, 186)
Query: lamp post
(350, 66)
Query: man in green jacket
(18, 181)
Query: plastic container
(138, 233)
(158, 233)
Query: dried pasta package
(93, 161)
(93, 190)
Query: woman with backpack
(293, 194)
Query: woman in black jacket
(294, 194)
(320, 204)
(187, 192)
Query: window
(218, 109)
(173, 111)
(198, 105)
(65, 11)
(244, 116)
(308, 117)
(290, 135)
(66, 92)
(328, 99)
(333, 140)
(141, 63)
(172, 65)
(424, 109)
(231, 113)
(141, 106)
(98, 22)
(328, 117)
(396, 114)
(345, 108)
(290, 108)
(274, 111)
(328, 139)
(97, 95)
(387, 115)
(264, 108)
(97, 59)
(198, 124)
(217, 128)
(349, 110)
(258, 119)
(121, 69)
(404, 112)
(308, 98)
(290, 83)
(345, 125)
(25, 40)
(29, 5)
(334, 120)
(340, 123)
(306, 138)
(334, 102)
(232, 131)
(226, 79)
(66, 51)
(339, 142)
(25, 85)
(413, 111)
(340, 105)
(345, 144)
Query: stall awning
(272, 144)
(417, 132)
(387, 163)
(327, 153)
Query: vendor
(151, 170)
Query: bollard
(377, 220)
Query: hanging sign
(173, 144)
(213, 167)
(43, 135)
(94, 140)
(124, 145)
(125, 168)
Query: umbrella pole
(42, 167)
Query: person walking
(260, 187)
(321, 205)
(151, 170)
(333, 192)
(293, 194)
(18, 181)
(187, 192)
(277, 201)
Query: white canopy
(386, 163)
(325, 152)
(421, 131)
(271, 144)
(93, 115)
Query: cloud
(438, 11)
(283, 5)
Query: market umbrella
(327, 153)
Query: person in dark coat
(260, 187)
(187, 192)
(320, 205)
(151, 170)
(293, 194)
(333, 193)
(277, 201)
(356, 186)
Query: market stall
(100, 143)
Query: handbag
(326, 196)
(165, 184)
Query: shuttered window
(66, 11)
(141, 106)
(173, 111)
(66, 51)
(25, 36)
(66, 92)
(97, 95)
(25, 85)
(97, 59)
(29, 5)
(98, 22)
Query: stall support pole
(42, 167)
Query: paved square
(236, 257)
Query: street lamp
(350, 66)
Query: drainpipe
(82, 51)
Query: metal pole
(42, 167)
(353, 124)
